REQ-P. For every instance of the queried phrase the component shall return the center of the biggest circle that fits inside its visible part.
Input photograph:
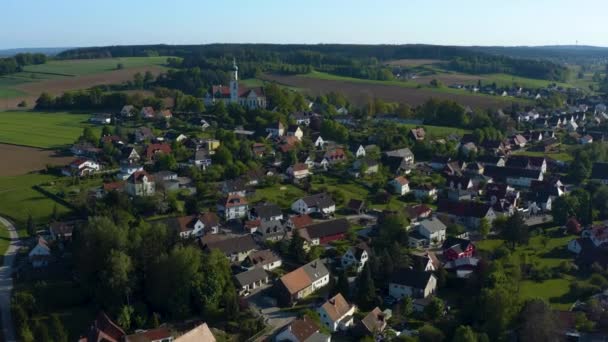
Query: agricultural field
(550, 251)
(4, 241)
(20, 160)
(360, 91)
(56, 77)
(41, 129)
(18, 200)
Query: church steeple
(234, 83)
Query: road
(263, 304)
(6, 282)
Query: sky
(77, 23)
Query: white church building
(251, 98)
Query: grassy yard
(544, 252)
(40, 129)
(6, 90)
(79, 67)
(563, 155)
(505, 80)
(439, 131)
(18, 200)
(282, 195)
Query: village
(331, 237)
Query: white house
(337, 314)
(302, 330)
(233, 207)
(424, 191)
(295, 131)
(41, 253)
(298, 171)
(400, 185)
(432, 229)
(127, 111)
(318, 203)
(140, 183)
(360, 152)
(277, 130)
(319, 142)
(356, 257)
(410, 283)
(81, 167)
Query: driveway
(6, 282)
(264, 304)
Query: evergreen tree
(296, 248)
(57, 329)
(342, 285)
(31, 228)
(464, 333)
(366, 291)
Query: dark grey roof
(234, 245)
(322, 200)
(401, 153)
(327, 228)
(266, 211)
(599, 171)
(248, 277)
(411, 278)
(315, 270)
(501, 173)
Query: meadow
(41, 129)
(77, 67)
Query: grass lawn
(439, 131)
(40, 129)
(78, 67)
(547, 253)
(282, 195)
(505, 80)
(18, 200)
(563, 155)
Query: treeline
(94, 98)
(16, 63)
(486, 64)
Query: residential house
(364, 167)
(250, 280)
(513, 176)
(586, 139)
(266, 259)
(103, 329)
(432, 229)
(468, 214)
(337, 314)
(356, 206)
(160, 334)
(424, 191)
(318, 141)
(40, 254)
(519, 140)
(233, 207)
(296, 222)
(400, 185)
(153, 151)
(424, 261)
(85, 149)
(211, 222)
(140, 183)
(399, 161)
(201, 333)
(202, 159)
(186, 226)
(237, 249)
(266, 212)
(359, 152)
(302, 330)
(303, 118)
(527, 162)
(148, 113)
(164, 114)
(101, 119)
(295, 131)
(374, 322)
(298, 171)
(325, 232)
(418, 134)
(81, 167)
(455, 248)
(411, 283)
(127, 111)
(418, 212)
(468, 148)
(334, 156)
(144, 134)
(275, 131)
(303, 281)
(319, 203)
(356, 257)
(62, 230)
(234, 187)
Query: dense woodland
(14, 64)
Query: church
(251, 98)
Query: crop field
(56, 77)
(360, 91)
(409, 63)
(20, 160)
(41, 129)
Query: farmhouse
(325, 232)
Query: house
(160, 334)
(417, 133)
(266, 212)
(40, 254)
(266, 259)
(153, 151)
(356, 257)
(335, 155)
(295, 131)
(586, 139)
(410, 283)
(164, 114)
(468, 148)
(337, 314)
(127, 111)
(374, 322)
(399, 161)
(234, 187)
(211, 222)
(527, 162)
(455, 248)
(298, 171)
(237, 249)
(233, 207)
(599, 173)
(513, 176)
(519, 140)
(424, 191)
(299, 221)
(424, 261)
(319, 203)
(250, 280)
(302, 330)
(103, 329)
(463, 267)
(432, 229)
(364, 166)
(186, 226)
(140, 183)
(84, 149)
(417, 212)
(81, 167)
(303, 118)
(201, 333)
(144, 134)
(400, 185)
(325, 232)
(101, 119)
(62, 230)
(356, 206)
(573, 226)
(468, 214)
(277, 130)
(251, 98)
(318, 141)
(148, 113)
(360, 152)
(202, 159)
(303, 281)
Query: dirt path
(6, 282)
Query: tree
(406, 307)
(366, 291)
(117, 274)
(296, 248)
(464, 333)
(31, 228)
(515, 230)
(484, 227)
(435, 309)
(600, 201)
(44, 101)
(41, 332)
(538, 322)
(342, 285)
(89, 136)
(429, 333)
(57, 329)
(231, 304)
(124, 317)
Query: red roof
(235, 201)
(137, 177)
(107, 187)
(152, 149)
(299, 167)
(301, 221)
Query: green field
(505, 80)
(563, 155)
(18, 200)
(79, 67)
(6, 87)
(439, 131)
(41, 129)
(4, 241)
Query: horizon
(393, 22)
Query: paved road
(6, 282)
(263, 304)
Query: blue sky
(60, 23)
